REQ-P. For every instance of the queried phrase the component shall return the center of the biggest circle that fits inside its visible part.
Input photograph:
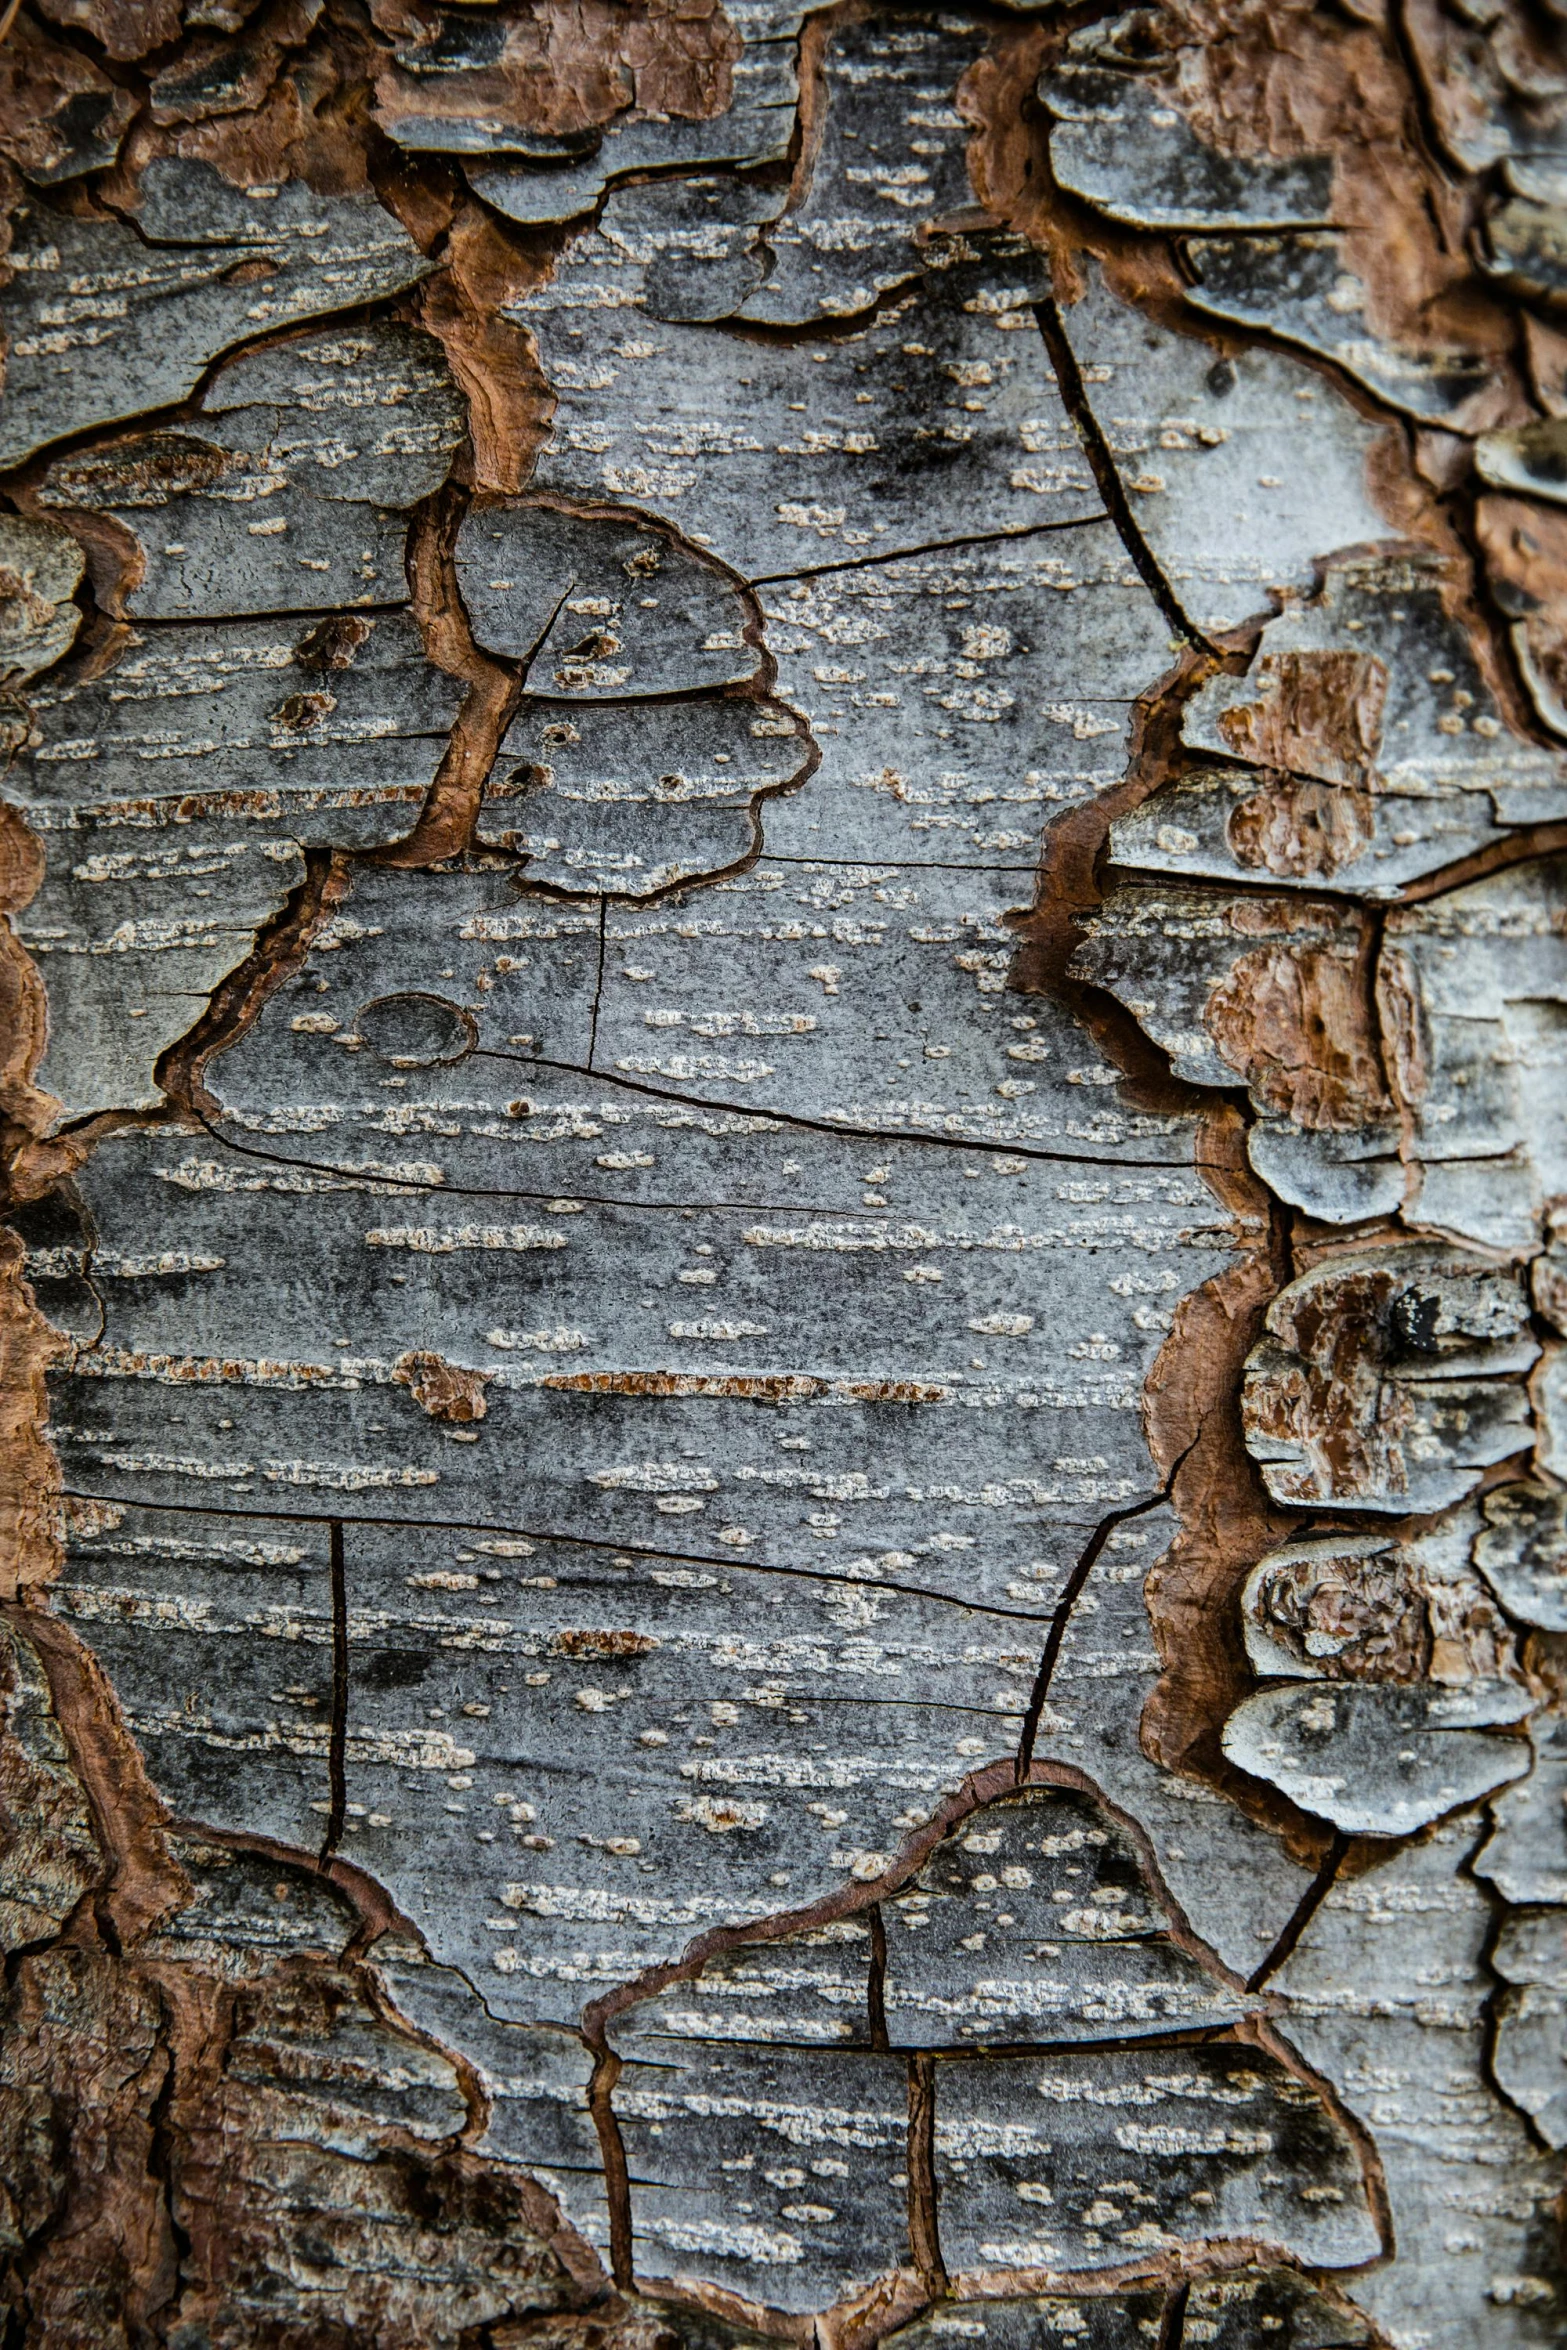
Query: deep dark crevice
(1496, 1983)
(1304, 1911)
(924, 2228)
(337, 1736)
(162, 2154)
(1070, 1595)
(95, 1126)
(278, 948)
(1096, 449)
(1521, 847)
(1422, 114)
(82, 1918)
(617, 2178)
(1172, 2324)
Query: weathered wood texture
(785, 1309)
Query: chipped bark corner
(783, 1508)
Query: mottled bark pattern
(783, 1325)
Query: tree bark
(784, 1294)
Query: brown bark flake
(1295, 1023)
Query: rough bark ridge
(785, 975)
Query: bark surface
(783, 1320)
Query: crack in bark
(1300, 1918)
(572, 1541)
(1172, 2325)
(796, 1118)
(598, 989)
(979, 1790)
(446, 822)
(876, 1980)
(356, 1176)
(980, 538)
(924, 2193)
(1096, 449)
(234, 1006)
(1062, 1613)
(337, 1733)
